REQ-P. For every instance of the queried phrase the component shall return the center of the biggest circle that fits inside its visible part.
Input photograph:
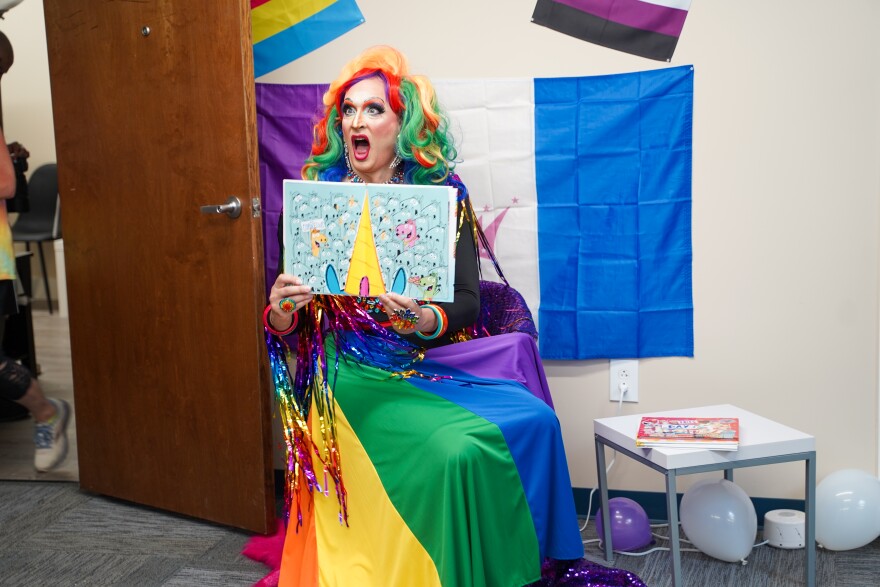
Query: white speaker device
(785, 528)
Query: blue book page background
(405, 242)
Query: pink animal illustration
(407, 232)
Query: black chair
(42, 223)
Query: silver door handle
(231, 208)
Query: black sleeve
(465, 309)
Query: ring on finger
(404, 318)
(287, 305)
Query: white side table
(762, 442)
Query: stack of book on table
(711, 433)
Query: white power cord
(623, 387)
(666, 548)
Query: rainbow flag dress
(458, 479)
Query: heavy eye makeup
(371, 108)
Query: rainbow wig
(424, 144)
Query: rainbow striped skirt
(458, 480)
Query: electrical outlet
(624, 371)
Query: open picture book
(369, 239)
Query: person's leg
(51, 415)
(36, 403)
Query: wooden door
(154, 117)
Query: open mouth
(360, 147)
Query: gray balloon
(720, 519)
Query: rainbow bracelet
(441, 323)
(278, 332)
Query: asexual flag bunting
(648, 28)
(285, 30)
(583, 186)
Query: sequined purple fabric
(582, 573)
(503, 310)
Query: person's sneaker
(51, 437)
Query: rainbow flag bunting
(648, 28)
(285, 30)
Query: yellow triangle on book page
(364, 273)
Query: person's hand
(19, 153)
(288, 295)
(17, 150)
(406, 315)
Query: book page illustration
(369, 239)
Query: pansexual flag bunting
(285, 30)
(583, 186)
(648, 28)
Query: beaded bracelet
(441, 323)
(278, 332)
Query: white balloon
(719, 518)
(847, 509)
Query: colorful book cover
(369, 239)
(693, 432)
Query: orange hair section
(383, 58)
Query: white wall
(27, 106)
(785, 223)
(785, 186)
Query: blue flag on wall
(583, 186)
(614, 214)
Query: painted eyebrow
(365, 102)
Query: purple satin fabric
(286, 115)
(512, 356)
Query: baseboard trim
(654, 503)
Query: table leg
(672, 514)
(728, 474)
(810, 522)
(603, 500)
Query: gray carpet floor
(55, 535)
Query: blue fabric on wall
(613, 165)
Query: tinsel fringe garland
(356, 336)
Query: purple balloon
(630, 528)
